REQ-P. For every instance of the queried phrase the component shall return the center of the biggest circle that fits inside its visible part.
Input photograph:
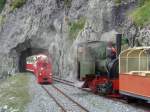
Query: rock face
(46, 24)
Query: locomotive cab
(105, 79)
(98, 67)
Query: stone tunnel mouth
(27, 53)
(22, 51)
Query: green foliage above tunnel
(2, 4)
(17, 4)
(141, 15)
(76, 27)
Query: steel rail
(62, 108)
(79, 105)
(69, 84)
(121, 100)
(62, 79)
(64, 82)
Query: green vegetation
(142, 2)
(124, 43)
(75, 28)
(2, 4)
(117, 1)
(17, 4)
(67, 3)
(2, 19)
(141, 15)
(14, 93)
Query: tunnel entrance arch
(26, 49)
(29, 52)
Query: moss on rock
(17, 4)
(117, 1)
(76, 27)
(2, 19)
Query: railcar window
(135, 61)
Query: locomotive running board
(135, 96)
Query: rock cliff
(59, 25)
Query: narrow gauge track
(62, 108)
(57, 78)
(124, 101)
(64, 81)
(70, 101)
(69, 83)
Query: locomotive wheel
(105, 89)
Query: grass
(75, 28)
(14, 93)
(141, 15)
(2, 4)
(17, 4)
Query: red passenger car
(41, 67)
(44, 70)
(30, 67)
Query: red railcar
(43, 71)
(30, 67)
(41, 68)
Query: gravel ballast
(40, 102)
(96, 103)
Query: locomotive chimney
(118, 43)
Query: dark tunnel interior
(24, 50)
(29, 52)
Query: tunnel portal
(29, 52)
(24, 50)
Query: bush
(17, 4)
(75, 28)
(2, 4)
(141, 15)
